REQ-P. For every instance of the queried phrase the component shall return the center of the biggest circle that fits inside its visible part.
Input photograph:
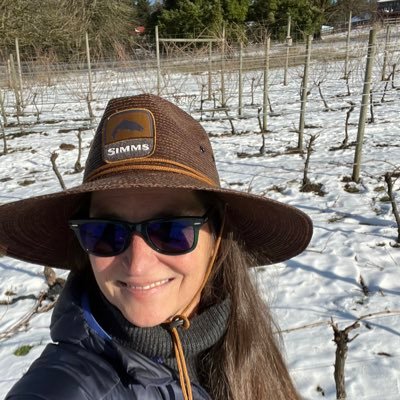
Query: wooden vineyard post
(364, 105)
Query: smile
(146, 287)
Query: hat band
(166, 166)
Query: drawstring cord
(182, 320)
(184, 379)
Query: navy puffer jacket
(85, 364)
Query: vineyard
(284, 121)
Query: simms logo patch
(128, 134)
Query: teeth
(147, 287)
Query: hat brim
(36, 229)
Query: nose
(139, 256)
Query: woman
(159, 303)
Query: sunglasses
(107, 238)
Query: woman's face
(146, 286)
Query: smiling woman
(149, 286)
(159, 303)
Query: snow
(353, 237)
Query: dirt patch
(67, 146)
(20, 149)
(351, 188)
(22, 134)
(343, 147)
(248, 155)
(314, 188)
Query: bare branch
(53, 159)
(389, 182)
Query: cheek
(206, 243)
(101, 266)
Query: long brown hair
(247, 363)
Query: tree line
(56, 28)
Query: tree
(306, 15)
(185, 18)
(235, 10)
(263, 11)
(191, 18)
(44, 26)
(110, 23)
(143, 12)
(340, 10)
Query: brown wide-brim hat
(146, 142)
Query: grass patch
(23, 350)
(336, 218)
(26, 182)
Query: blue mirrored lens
(103, 238)
(174, 236)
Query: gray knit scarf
(206, 329)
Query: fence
(212, 81)
(42, 73)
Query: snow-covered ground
(353, 236)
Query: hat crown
(146, 132)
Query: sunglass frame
(140, 228)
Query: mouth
(145, 287)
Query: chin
(145, 322)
